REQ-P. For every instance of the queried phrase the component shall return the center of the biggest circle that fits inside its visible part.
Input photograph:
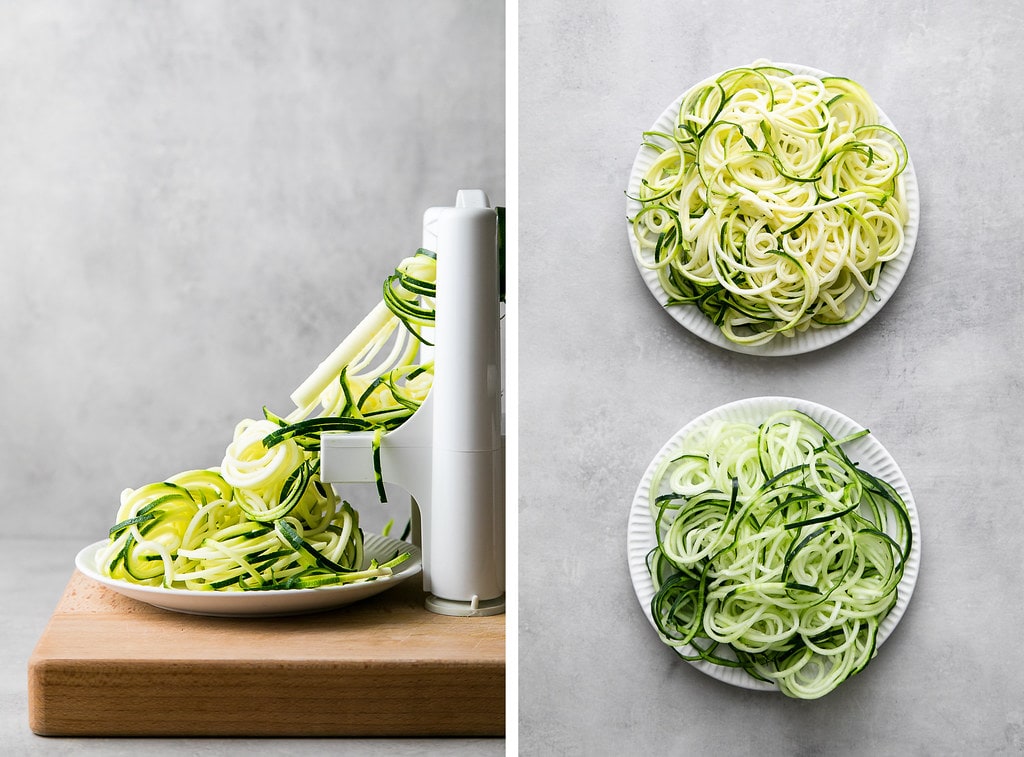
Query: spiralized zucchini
(774, 203)
(776, 553)
(263, 519)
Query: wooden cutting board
(107, 665)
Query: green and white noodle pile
(263, 519)
(776, 553)
(774, 202)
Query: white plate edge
(324, 596)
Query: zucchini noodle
(263, 519)
(776, 553)
(774, 202)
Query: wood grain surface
(107, 665)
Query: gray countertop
(606, 378)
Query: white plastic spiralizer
(449, 455)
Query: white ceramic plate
(806, 341)
(867, 451)
(263, 603)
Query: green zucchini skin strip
(311, 429)
(775, 553)
(291, 536)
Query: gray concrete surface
(198, 200)
(606, 378)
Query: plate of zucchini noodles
(772, 209)
(774, 544)
(377, 549)
(260, 533)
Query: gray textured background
(606, 378)
(198, 200)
